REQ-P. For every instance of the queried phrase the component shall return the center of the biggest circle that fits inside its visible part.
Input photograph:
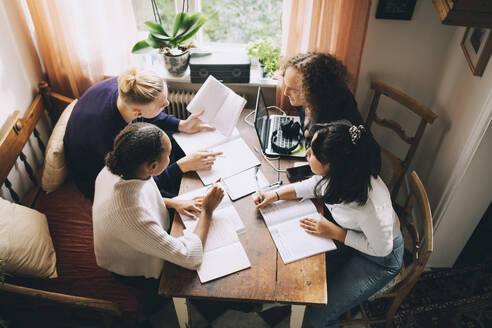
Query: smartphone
(299, 172)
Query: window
(229, 21)
(232, 21)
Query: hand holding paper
(222, 105)
(194, 124)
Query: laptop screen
(261, 119)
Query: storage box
(225, 67)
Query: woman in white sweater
(131, 218)
(361, 219)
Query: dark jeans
(352, 277)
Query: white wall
(408, 55)
(20, 73)
(424, 59)
(456, 173)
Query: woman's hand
(265, 198)
(323, 228)
(194, 124)
(188, 207)
(198, 161)
(212, 199)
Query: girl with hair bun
(107, 108)
(360, 217)
(131, 219)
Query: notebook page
(236, 158)
(204, 140)
(223, 261)
(294, 243)
(210, 97)
(220, 234)
(286, 210)
(228, 115)
(224, 209)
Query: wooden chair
(420, 233)
(398, 166)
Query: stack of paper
(293, 242)
(223, 253)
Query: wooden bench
(81, 286)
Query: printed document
(222, 105)
(293, 242)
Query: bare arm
(265, 198)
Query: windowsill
(155, 62)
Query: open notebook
(223, 253)
(236, 158)
(293, 243)
(225, 209)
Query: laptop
(266, 125)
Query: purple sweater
(94, 123)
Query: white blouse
(372, 227)
(130, 222)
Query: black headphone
(291, 130)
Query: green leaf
(190, 33)
(156, 28)
(154, 43)
(178, 22)
(161, 37)
(140, 47)
(190, 20)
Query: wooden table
(269, 279)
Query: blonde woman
(107, 108)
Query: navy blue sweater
(94, 123)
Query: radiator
(178, 100)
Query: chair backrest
(420, 233)
(399, 166)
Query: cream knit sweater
(130, 221)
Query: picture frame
(477, 47)
(395, 9)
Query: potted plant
(268, 54)
(174, 46)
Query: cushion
(55, 169)
(25, 242)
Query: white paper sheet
(204, 140)
(236, 158)
(244, 183)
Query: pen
(273, 185)
(257, 184)
(218, 180)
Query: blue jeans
(352, 277)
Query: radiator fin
(178, 100)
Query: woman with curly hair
(317, 82)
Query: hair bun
(128, 80)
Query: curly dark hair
(136, 144)
(324, 82)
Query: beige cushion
(55, 169)
(25, 242)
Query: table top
(268, 279)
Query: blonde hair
(140, 87)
